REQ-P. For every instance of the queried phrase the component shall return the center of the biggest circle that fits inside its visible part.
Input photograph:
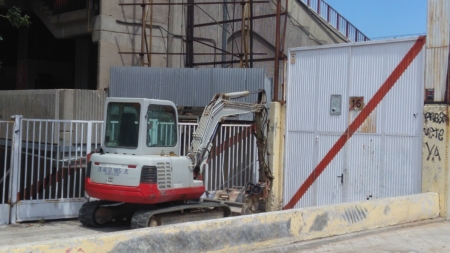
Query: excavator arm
(220, 107)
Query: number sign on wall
(356, 103)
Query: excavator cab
(140, 126)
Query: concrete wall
(252, 232)
(435, 160)
(53, 104)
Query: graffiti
(433, 152)
(434, 133)
(435, 117)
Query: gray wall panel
(185, 87)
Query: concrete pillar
(66, 104)
(275, 150)
(435, 155)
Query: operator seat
(128, 135)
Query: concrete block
(252, 232)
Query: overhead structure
(245, 57)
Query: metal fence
(51, 167)
(336, 20)
(53, 157)
(232, 161)
(43, 171)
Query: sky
(384, 18)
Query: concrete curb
(253, 232)
(311, 244)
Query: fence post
(338, 27)
(318, 7)
(15, 165)
(89, 138)
(88, 150)
(328, 14)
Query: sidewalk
(428, 236)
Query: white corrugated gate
(334, 89)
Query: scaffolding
(245, 58)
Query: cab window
(161, 126)
(122, 125)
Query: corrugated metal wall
(185, 87)
(383, 157)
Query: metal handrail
(336, 20)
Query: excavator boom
(220, 107)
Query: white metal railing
(44, 163)
(232, 161)
(54, 157)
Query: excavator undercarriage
(105, 213)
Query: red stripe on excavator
(141, 194)
(371, 105)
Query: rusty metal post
(143, 33)
(245, 33)
(251, 33)
(190, 35)
(224, 32)
(242, 63)
(277, 52)
(283, 41)
(151, 34)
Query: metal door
(354, 125)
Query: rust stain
(370, 123)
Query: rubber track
(87, 211)
(140, 218)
